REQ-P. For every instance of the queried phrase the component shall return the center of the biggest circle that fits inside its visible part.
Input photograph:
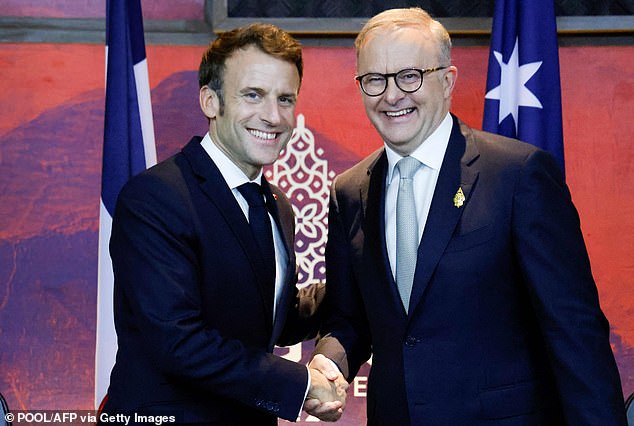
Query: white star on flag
(512, 91)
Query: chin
(398, 140)
(268, 158)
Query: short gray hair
(408, 17)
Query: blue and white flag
(128, 148)
(523, 92)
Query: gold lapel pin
(458, 199)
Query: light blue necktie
(406, 229)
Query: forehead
(254, 68)
(392, 49)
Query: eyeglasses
(408, 80)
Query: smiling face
(256, 123)
(405, 120)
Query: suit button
(411, 341)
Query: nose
(392, 93)
(270, 113)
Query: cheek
(289, 116)
(370, 104)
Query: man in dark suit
(495, 319)
(199, 301)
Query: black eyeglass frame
(422, 73)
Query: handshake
(326, 397)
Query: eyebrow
(257, 90)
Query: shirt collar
(229, 170)
(431, 152)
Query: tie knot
(407, 166)
(252, 192)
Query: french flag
(128, 148)
(523, 91)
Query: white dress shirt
(430, 153)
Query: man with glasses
(455, 259)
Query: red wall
(51, 126)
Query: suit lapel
(214, 186)
(455, 173)
(378, 266)
(282, 213)
(283, 217)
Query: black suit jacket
(194, 320)
(504, 323)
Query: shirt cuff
(305, 393)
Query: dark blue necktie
(261, 227)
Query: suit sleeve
(304, 317)
(555, 264)
(345, 331)
(157, 279)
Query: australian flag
(128, 148)
(523, 92)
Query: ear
(449, 80)
(209, 102)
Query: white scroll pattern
(302, 173)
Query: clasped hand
(326, 398)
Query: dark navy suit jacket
(504, 323)
(193, 318)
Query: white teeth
(262, 135)
(399, 113)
